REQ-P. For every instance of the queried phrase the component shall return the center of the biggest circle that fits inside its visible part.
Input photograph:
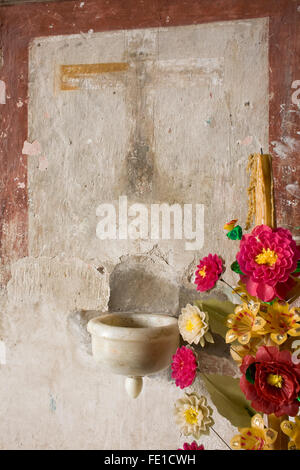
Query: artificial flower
(280, 321)
(293, 431)
(193, 325)
(271, 381)
(208, 272)
(193, 415)
(184, 367)
(230, 225)
(239, 351)
(267, 257)
(244, 323)
(192, 446)
(257, 437)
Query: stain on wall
(75, 77)
(113, 139)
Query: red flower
(184, 367)
(192, 446)
(208, 272)
(271, 381)
(267, 257)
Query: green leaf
(228, 398)
(297, 270)
(250, 373)
(236, 268)
(218, 312)
(236, 233)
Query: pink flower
(267, 257)
(184, 367)
(192, 446)
(208, 272)
(271, 381)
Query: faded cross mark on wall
(155, 117)
(140, 76)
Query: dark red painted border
(21, 23)
(284, 116)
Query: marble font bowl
(134, 344)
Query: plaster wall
(176, 125)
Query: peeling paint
(294, 189)
(2, 92)
(283, 148)
(32, 149)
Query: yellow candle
(264, 212)
(260, 191)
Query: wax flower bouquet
(262, 331)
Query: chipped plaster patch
(70, 283)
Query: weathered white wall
(177, 127)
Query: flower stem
(221, 279)
(221, 438)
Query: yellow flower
(244, 323)
(193, 415)
(193, 325)
(257, 437)
(293, 431)
(238, 351)
(281, 322)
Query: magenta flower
(267, 257)
(192, 446)
(208, 272)
(184, 367)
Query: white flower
(193, 415)
(193, 325)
